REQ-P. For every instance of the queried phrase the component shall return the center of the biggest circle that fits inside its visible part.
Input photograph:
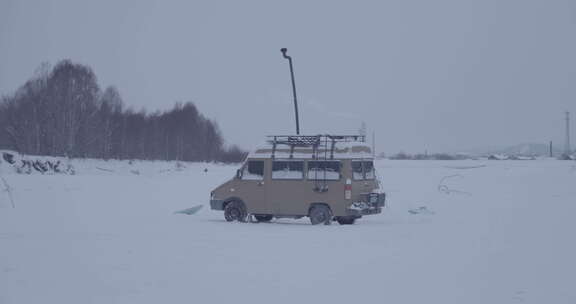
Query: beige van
(324, 177)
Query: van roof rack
(314, 141)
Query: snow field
(499, 233)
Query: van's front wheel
(320, 214)
(235, 211)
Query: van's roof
(342, 150)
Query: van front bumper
(370, 203)
(216, 204)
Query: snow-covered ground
(488, 232)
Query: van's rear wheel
(320, 214)
(346, 220)
(264, 218)
(235, 211)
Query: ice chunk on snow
(421, 210)
(189, 211)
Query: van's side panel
(294, 197)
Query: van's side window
(287, 169)
(363, 170)
(320, 170)
(254, 170)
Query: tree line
(62, 111)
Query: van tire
(235, 211)
(346, 220)
(320, 214)
(263, 218)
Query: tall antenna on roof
(284, 50)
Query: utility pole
(284, 50)
(374, 144)
(567, 150)
(551, 150)
(362, 130)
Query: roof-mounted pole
(284, 50)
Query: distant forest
(62, 111)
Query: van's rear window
(363, 170)
(324, 170)
(369, 172)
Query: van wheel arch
(232, 199)
(312, 205)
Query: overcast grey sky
(444, 75)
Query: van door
(251, 187)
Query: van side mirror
(239, 174)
